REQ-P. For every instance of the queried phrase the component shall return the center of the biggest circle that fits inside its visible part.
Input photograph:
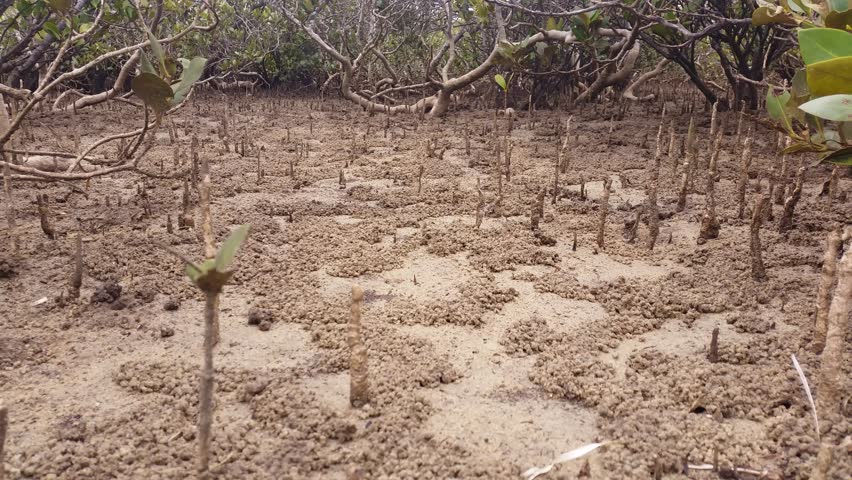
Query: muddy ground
(491, 350)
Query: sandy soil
(490, 350)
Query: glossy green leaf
(832, 107)
(229, 247)
(153, 90)
(501, 81)
(191, 73)
(840, 157)
(821, 44)
(831, 77)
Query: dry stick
(786, 222)
(44, 216)
(671, 152)
(740, 126)
(10, 209)
(604, 211)
(713, 120)
(4, 427)
(205, 408)
(420, 179)
(652, 209)
(77, 274)
(829, 270)
(508, 156)
(207, 233)
(537, 210)
(832, 185)
(831, 378)
(709, 223)
(560, 160)
(688, 166)
(757, 216)
(259, 168)
(713, 355)
(359, 394)
(479, 204)
(742, 181)
(781, 190)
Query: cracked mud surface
(490, 350)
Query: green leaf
(229, 248)
(51, 28)
(501, 81)
(551, 24)
(796, 6)
(157, 49)
(831, 77)
(802, 146)
(767, 15)
(153, 90)
(205, 267)
(800, 84)
(145, 64)
(832, 107)
(61, 6)
(775, 107)
(840, 157)
(839, 5)
(191, 73)
(171, 67)
(481, 9)
(821, 44)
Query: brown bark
(742, 180)
(758, 272)
(832, 383)
(709, 223)
(10, 208)
(205, 402)
(829, 270)
(786, 222)
(653, 211)
(688, 167)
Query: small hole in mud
(698, 409)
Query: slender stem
(205, 413)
